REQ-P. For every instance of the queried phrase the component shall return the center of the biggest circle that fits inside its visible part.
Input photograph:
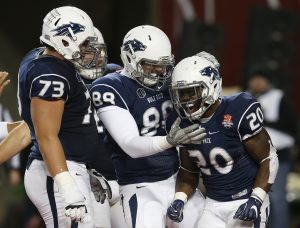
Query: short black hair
(259, 71)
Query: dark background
(240, 36)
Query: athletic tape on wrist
(259, 193)
(63, 178)
(181, 196)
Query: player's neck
(54, 53)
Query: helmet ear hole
(128, 59)
(57, 21)
(65, 43)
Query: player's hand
(250, 210)
(175, 210)
(100, 186)
(209, 57)
(3, 81)
(191, 134)
(75, 208)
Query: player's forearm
(123, 129)
(13, 125)
(53, 154)
(266, 174)
(187, 182)
(16, 141)
(262, 177)
(141, 146)
(6, 127)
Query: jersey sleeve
(50, 87)
(107, 92)
(251, 121)
(48, 82)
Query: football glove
(209, 57)
(191, 134)
(100, 186)
(74, 200)
(250, 210)
(175, 210)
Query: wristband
(163, 143)
(63, 178)
(181, 196)
(3, 130)
(259, 194)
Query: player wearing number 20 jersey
(227, 169)
(236, 158)
(53, 79)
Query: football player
(133, 105)
(108, 213)
(236, 159)
(55, 104)
(105, 215)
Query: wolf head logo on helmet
(64, 30)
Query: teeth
(190, 105)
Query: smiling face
(190, 98)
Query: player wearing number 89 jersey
(133, 105)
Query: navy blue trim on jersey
(133, 205)
(50, 193)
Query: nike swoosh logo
(141, 186)
(214, 132)
(255, 209)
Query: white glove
(191, 134)
(210, 58)
(75, 202)
(99, 185)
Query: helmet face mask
(196, 85)
(92, 61)
(147, 58)
(153, 74)
(95, 63)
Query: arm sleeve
(122, 127)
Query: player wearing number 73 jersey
(56, 105)
(236, 158)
